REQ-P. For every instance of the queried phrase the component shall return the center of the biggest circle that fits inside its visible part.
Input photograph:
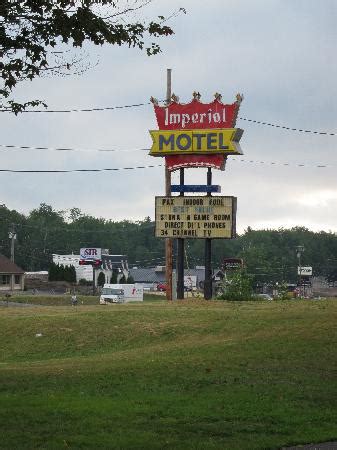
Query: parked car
(161, 287)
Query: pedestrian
(73, 300)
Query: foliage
(130, 280)
(58, 272)
(113, 279)
(101, 279)
(237, 286)
(122, 280)
(33, 35)
(84, 282)
(282, 291)
(269, 255)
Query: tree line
(269, 255)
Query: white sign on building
(304, 271)
(91, 253)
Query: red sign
(196, 115)
(193, 116)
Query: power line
(136, 105)
(70, 149)
(151, 166)
(326, 133)
(286, 164)
(80, 170)
(105, 108)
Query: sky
(280, 54)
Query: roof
(151, 276)
(8, 267)
(147, 275)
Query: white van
(111, 295)
(130, 293)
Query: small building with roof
(12, 277)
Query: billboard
(196, 217)
(90, 254)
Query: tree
(122, 280)
(130, 280)
(34, 33)
(237, 287)
(101, 279)
(113, 279)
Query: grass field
(184, 375)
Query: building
(82, 272)
(110, 264)
(12, 277)
(153, 276)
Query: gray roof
(150, 275)
(147, 275)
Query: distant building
(110, 264)
(12, 277)
(153, 276)
(82, 272)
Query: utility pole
(12, 237)
(208, 252)
(299, 251)
(180, 253)
(168, 241)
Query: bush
(237, 287)
(84, 282)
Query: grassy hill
(187, 375)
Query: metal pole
(181, 252)
(12, 237)
(168, 241)
(208, 252)
(93, 281)
(300, 276)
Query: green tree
(238, 286)
(122, 280)
(101, 279)
(130, 280)
(113, 279)
(32, 32)
(52, 272)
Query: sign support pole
(181, 252)
(168, 241)
(208, 252)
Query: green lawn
(158, 375)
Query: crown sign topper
(196, 134)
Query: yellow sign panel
(196, 217)
(188, 142)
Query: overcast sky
(279, 53)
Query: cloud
(278, 53)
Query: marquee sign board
(196, 217)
